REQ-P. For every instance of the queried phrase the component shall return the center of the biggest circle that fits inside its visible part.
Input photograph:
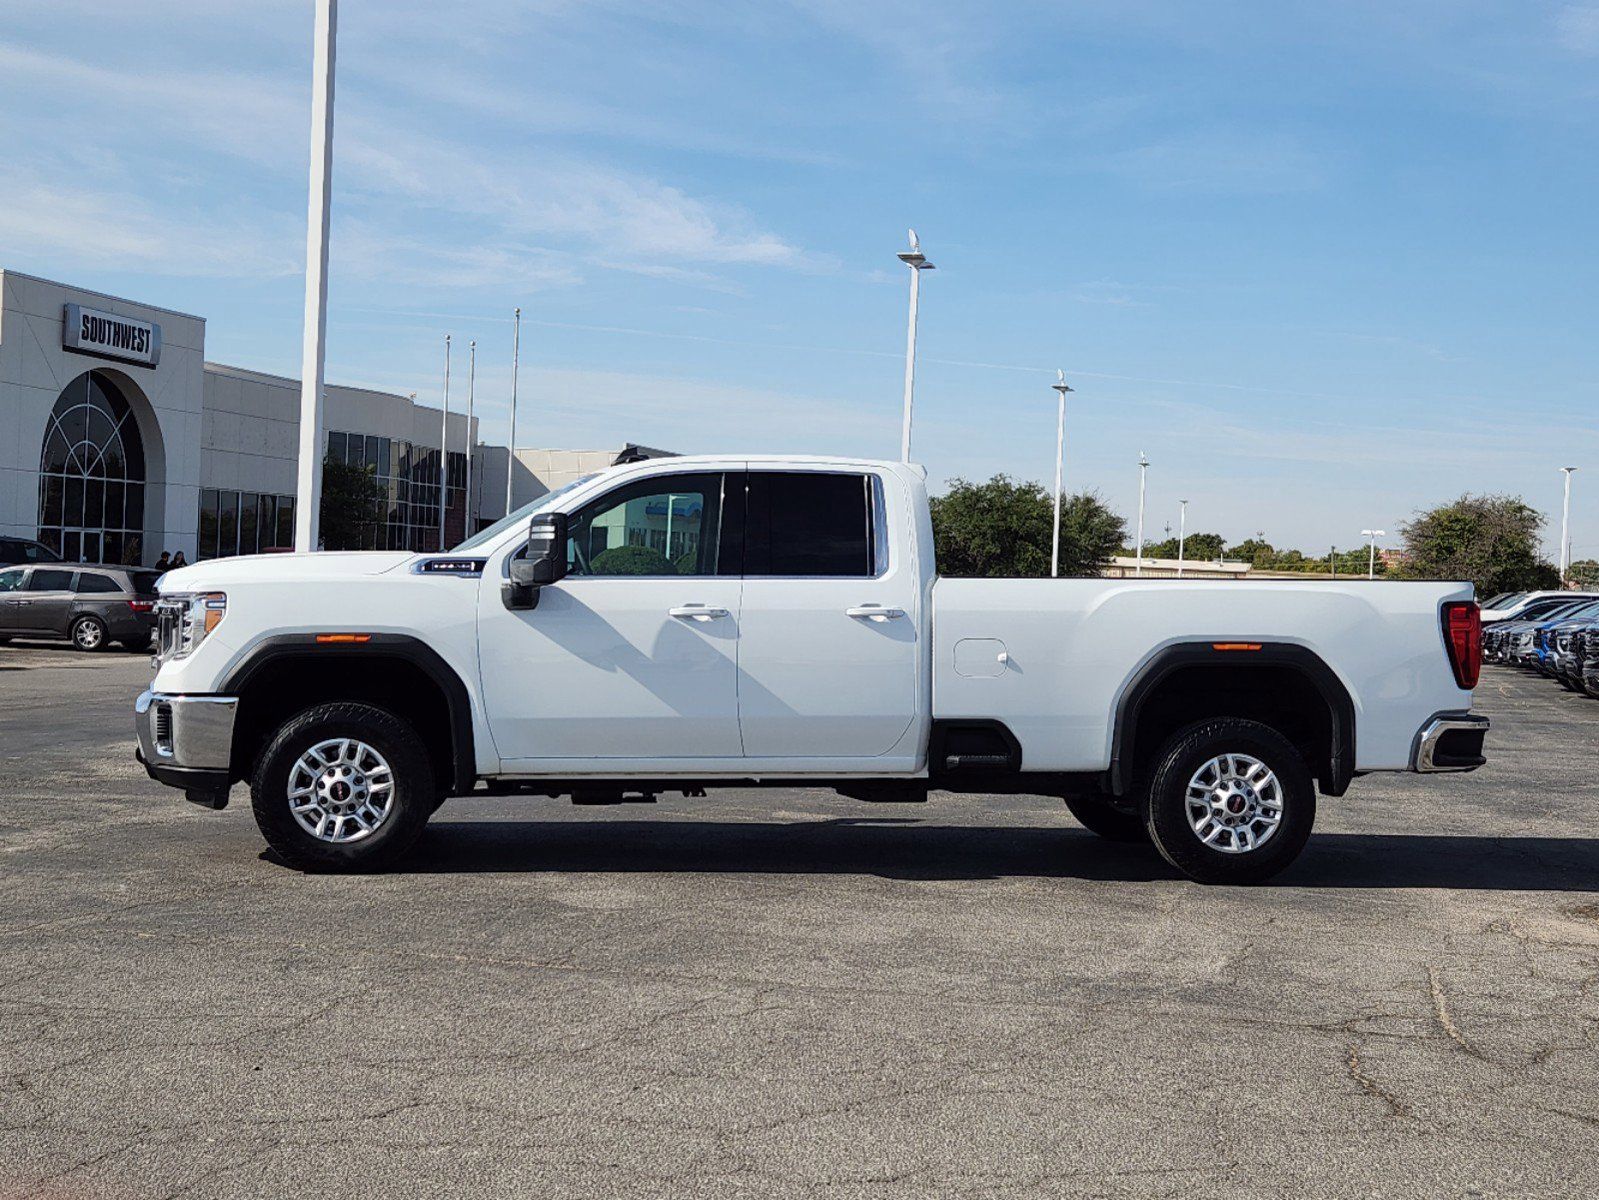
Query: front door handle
(874, 612)
(697, 612)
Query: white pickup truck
(687, 623)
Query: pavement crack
(1445, 1022)
(1357, 1072)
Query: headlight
(184, 620)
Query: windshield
(521, 515)
(1503, 600)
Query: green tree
(1584, 573)
(631, 560)
(1490, 541)
(1197, 547)
(1004, 528)
(1252, 550)
(350, 498)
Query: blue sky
(1325, 263)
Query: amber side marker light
(1235, 645)
(341, 639)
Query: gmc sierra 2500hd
(688, 623)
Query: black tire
(410, 806)
(88, 634)
(1166, 803)
(136, 646)
(1115, 820)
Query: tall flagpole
(471, 385)
(308, 487)
(444, 447)
(510, 449)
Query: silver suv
(92, 605)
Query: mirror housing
(541, 562)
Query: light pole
(917, 262)
(510, 449)
(1060, 454)
(444, 446)
(308, 487)
(1143, 468)
(1182, 536)
(471, 386)
(1371, 559)
(1565, 528)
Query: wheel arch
(1191, 681)
(285, 673)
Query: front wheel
(1230, 801)
(342, 787)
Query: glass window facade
(244, 523)
(91, 475)
(407, 516)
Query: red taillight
(1463, 640)
(141, 606)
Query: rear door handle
(697, 612)
(874, 612)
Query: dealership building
(118, 440)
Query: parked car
(1517, 604)
(1511, 640)
(1571, 651)
(1590, 660)
(93, 606)
(14, 550)
(1547, 635)
(678, 624)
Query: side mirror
(542, 561)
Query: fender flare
(457, 699)
(1334, 775)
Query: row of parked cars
(1553, 633)
(90, 604)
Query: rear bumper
(1450, 741)
(186, 741)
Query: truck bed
(1070, 648)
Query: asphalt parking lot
(791, 994)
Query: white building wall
(35, 368)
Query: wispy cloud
(1222, 161)
(80, 229)
(1577, 27)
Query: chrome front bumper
(1450, 742)
(185, 733)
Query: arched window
(91, 475)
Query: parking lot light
(1371, 561)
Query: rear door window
(44, 579)
(11, 581)
(809, 523)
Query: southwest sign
(90, 331)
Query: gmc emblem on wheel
(90, 331)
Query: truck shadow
(906, 848)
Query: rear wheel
(342, 787)
(1230, 801)
(89, 633)
(1110, 817)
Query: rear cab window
(814, 524)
